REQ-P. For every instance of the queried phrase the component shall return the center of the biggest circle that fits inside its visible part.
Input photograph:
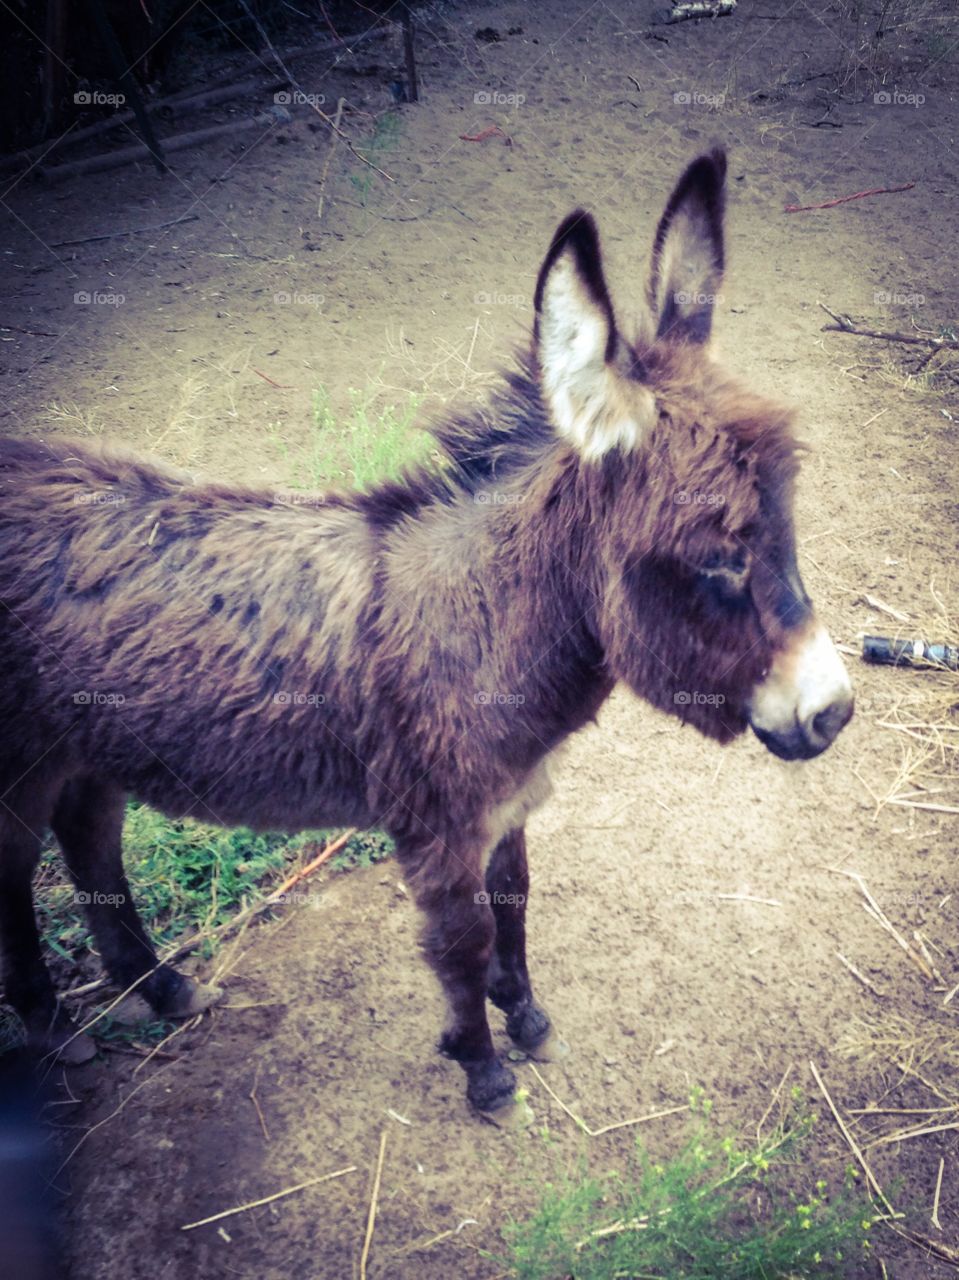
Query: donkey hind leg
(507, 888)
(88, 823)
(26, 979)
(458, 942)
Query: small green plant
(183, 875)
(717, 1210)
(385, 135)
(186, 876)
(113, 1031)
(364, 849)
(373, 443)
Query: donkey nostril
(822, 724)
(827, 723)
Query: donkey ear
(687, 267)
(575, 340)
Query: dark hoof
(60, 1040)
(528, 1027)
(74, 1049)
(193, 997)
(515, 1113)
(182, 998)
(552, 1049)
(490, 1088)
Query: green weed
(385, 136)
(372, 443)
(717, 1210)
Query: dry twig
(934, 1219)
(844, 324)
(851, 1141)
(861, 976)
(606, 1128)
(329, 156)
(277, 1195)
(374, 1198)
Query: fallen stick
(607, 1128)
(850, 1140)
(861, 976)
(106, 1119)
(772, 1102)
(306, 97)
(844, 324)
(930, 808)
(374, 1198)
(180, 949)
(187, 99)
(129, 155)
(927, 956)
(859, 195)
(323, 856)
(157, 1050)
(934, 1219)
(32, 333)
(875, 603)
(873, 909)
(903, 1135)
(748, 897)
(329, 156)
(130, 231)
(882, 920)
(277, 1195)
(934, 1246)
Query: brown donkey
(408, 658)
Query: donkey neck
(503, 586)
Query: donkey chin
(805, 699)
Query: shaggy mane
(507, 433)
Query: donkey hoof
(191, 998)
(75, 1049)
(515, 1114)
(529, 1027)
(551, 1049)
(491, 1086)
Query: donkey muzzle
(805, 700)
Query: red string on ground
(831, 204)
(494, 131)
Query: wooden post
(54, 62)
(412, 89)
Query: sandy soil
(423, 284)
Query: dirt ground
(423, 285)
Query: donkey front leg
(458, 942)
(88, 823)
(507, 889)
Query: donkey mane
(491, 443)
(512, 433)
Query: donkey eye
(725, 563)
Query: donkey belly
(266, 778)
(227, 753)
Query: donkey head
(689, 477)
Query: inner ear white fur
(590, 405)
